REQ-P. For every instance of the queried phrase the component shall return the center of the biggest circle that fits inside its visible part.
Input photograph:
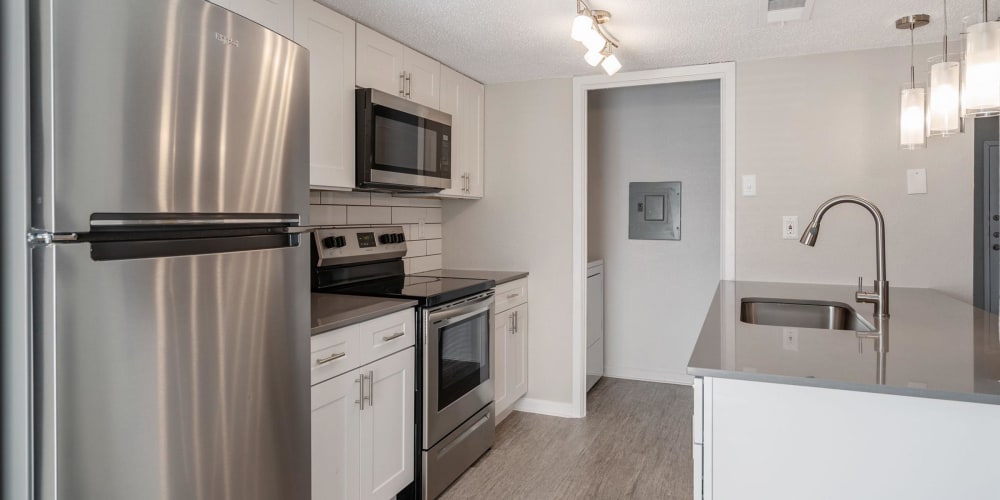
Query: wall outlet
(790, 339)
(790, 227)
(916, 181)
(750, 185)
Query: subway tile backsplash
(419, 217)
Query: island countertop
(939, 347)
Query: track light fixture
(588, 29)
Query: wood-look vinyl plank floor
(634, 443)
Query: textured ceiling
(500, 41)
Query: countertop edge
(519, 275)
(387, 309)
(846, 386)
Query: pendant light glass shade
(582, 23)
(982, 70)
(944, 109)
(611, 65)
(593, 40)
(593, 57)
(912, 125)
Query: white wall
(656, 292)
(524, 222)
(817, 126)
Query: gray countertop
(500, 277)
(331, 311)
(939, 347)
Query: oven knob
(393, 238)
(401, 237)
(340, 242)
(330, 242)
(384, 239)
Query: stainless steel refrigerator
(171, 316)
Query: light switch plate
(790, 227)
(916, 181)
(790, 339)
(750, 185)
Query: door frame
(725, 73)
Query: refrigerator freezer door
(178, 377)
(175, 106)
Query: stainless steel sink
(802, 314)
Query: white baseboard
(545, 407)
(648, 375)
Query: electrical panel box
(654, 211)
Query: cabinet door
(276, 15)
(329, 37)
(450, 103)
(424, 86)
(517, 355)
(379, 62)
(387, 426)
(335, 444)
(474, 111)
(504, 329)
(463, 98)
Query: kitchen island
(799, 412)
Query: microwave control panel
(355, 244)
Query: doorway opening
(638, 113)
(986, 233)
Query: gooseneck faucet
(879, 296)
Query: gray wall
(656, 292)
(817, 126)
(524, 222)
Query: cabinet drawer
(386, 335)
(333, 353)
(511, 294)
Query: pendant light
(944, 110)
(588, 29)
(912, 99)
(982, 68)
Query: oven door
(458, 365)
(403, 146)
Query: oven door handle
(447, 317)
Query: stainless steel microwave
(401, 145)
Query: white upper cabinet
(329, 37)
(464, 99)
(380, 62)
(387, 65)
(276, 15)
(423, 78)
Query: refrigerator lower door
(172, 378)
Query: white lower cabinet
(362, 418)
(387, 427)
(335, 438)
(510, 377)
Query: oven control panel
(348, 245)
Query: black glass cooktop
(428, 291)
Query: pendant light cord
(912, 71)
(945, 55)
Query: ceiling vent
(783, 11)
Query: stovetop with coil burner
(368, 261)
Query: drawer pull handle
(336, 355)
(393, 336)
(512, 295)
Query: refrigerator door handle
(42, 238)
